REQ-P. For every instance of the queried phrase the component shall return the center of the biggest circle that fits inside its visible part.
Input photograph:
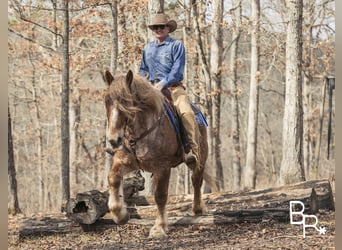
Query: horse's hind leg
(161, 193)
(197, 180)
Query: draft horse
(142, 137)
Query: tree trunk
(15, 209)
(75, 120)
(308, 70)
(215, 70)
(38, 128)
(292, 169)
(65, 180)
(114, 35)
(113, 67)
(252, 135)
(234, 99)
(320, 131)
(184, 173)
(204, 69)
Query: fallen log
(228, 217)
(89, 206)
(316, 195)
(48, 225)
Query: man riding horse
(163, 63)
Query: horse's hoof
(199, 210)
(157, 233)
(120, 220)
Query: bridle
(130, 141)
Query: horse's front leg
(161, 194)
(116, 204)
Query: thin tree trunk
(75, 120)
(234, 99)
(36, 120)
(252, 135)
(15, 209)
(319, 137)
(308, 124)
(184, 178)
(113, 67)
(114, 35)
(215, 70)
(65, 180)
(205, 71)
(292, 169)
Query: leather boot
(189, 122)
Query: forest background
(220, 77)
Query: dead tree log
(89, 206)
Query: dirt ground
(264, 235)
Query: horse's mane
(139, 96)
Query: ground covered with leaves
(264, 235)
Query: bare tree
(234, 95)
(250, 170)
(74, 121)
(204, 69)
(65, 133)
(216, 70)
(292, 169)
(113, 66)
(114, 34)
(11, 169)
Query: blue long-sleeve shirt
(163, 61)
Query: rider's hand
(158, 86)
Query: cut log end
(89, 206)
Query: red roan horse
(142, 137)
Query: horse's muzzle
(116, 143)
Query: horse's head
(117, 100)
(127, 98)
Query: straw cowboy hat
(162, 19)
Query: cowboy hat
(162, 19)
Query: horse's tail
(210, 180)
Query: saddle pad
(171, 116)
(200, 118)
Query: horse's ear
(108, 78)
(129, 78)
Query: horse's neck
(143, 121)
